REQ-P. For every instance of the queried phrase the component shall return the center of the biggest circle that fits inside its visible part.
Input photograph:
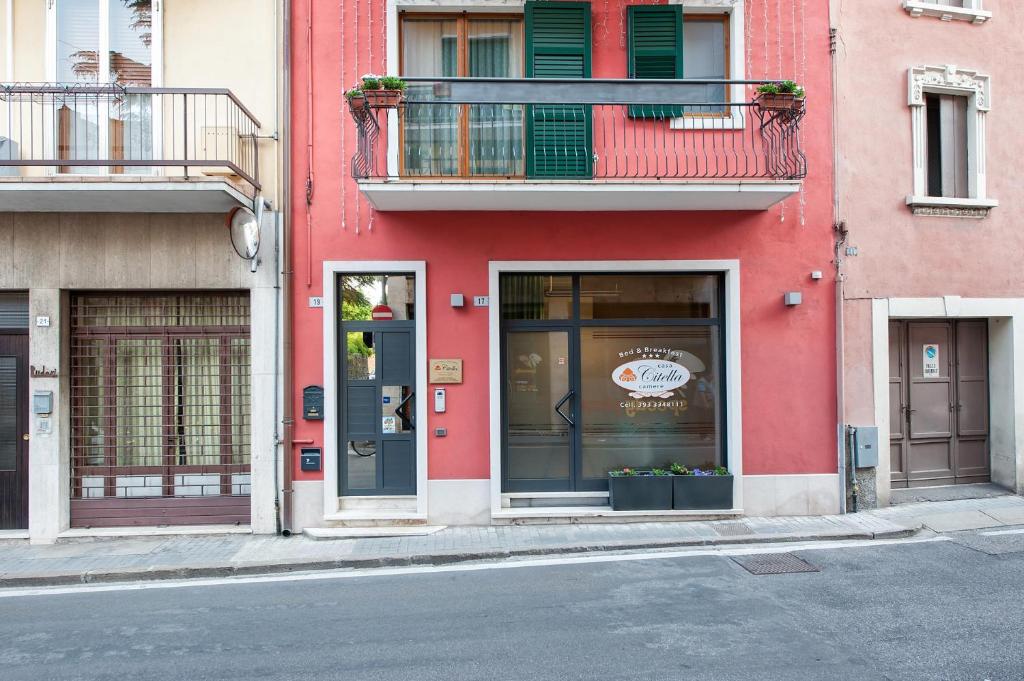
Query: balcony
(108, 148)
(577, 145)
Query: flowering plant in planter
(708, 488)
(632, 490)
(356, 98)
(383, 91)
(784, 95)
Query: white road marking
(995, 533)
(506, 564)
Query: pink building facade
(483, 277)
(931, 292)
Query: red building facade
(577, 245)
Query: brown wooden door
(13, 431)
(938, 402)
(898, 403)
(971, 412)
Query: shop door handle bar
(558, 408)
(406, 422)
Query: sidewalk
(147, 558)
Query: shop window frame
(574, 324)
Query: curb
(439, 558)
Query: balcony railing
(549, 129)
(110, 130)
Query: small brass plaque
(446, 371)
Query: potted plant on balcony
(784, 95)
(383, 91)
(356, 99)
(704, 489)
(633, 490)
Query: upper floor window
(105, 41)
(452, 139)
(96, 42)
(664, 42)
(948, 10)
(948, 108)
(947, 145)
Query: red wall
(788, 356)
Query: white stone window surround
(737, 35)
(950, 80)
(972, 11)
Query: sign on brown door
(938, 397)
(13, 431)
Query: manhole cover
(774, 564)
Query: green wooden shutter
(655, 51)
(559, 136)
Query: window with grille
(160, 395)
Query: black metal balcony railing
(114, 130)
(547, 129)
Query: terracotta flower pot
(383, 98)
(357, 103)
(779, 101)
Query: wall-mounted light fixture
(458, 300)
(793, 298)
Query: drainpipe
(309, 143)
(840, 236)
(286, 274)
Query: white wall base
(774, 495)
(459, 502)
(307, 505)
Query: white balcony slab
(119, 195)
(570, 195)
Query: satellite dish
(244, 228)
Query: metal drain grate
(739, 529)
(774, 564)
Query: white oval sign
(651, 377)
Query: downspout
(840, 235)
(286, 271)
(309, 143)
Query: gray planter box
(640, 492)
(702, 493)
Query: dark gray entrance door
(13, 431)
(938, 401)
(378, 393)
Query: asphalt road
(928, 611)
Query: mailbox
(42, 402)
(313, 403)
(865, 446)
(311, 457)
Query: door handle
(406, 421)
(25, 437)
(558, 408)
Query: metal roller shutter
(160, 417)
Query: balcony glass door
(452, 140)
(104, 42)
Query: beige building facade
(139, 342)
